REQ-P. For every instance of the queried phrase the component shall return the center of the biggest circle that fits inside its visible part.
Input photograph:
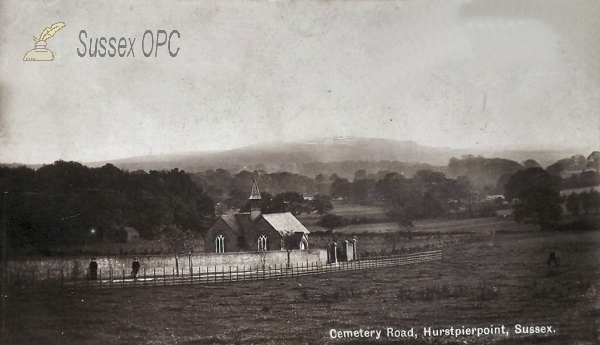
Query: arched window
(303, 244)
(220, 244)
(263, 244)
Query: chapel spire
(255, 202)
(255, 194)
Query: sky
(515, 74)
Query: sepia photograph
(295, 172)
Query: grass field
(345, 210)
(502, 280)
(477, 225)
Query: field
(382, 225)
(502, 280)
(345, 210)
(477, 225)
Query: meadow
(443, 226)
(501, 280)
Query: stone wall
(68, 268)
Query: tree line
(68, 203)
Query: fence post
(237, 273)
(207, 281)
(100, 276)
(154, 275)
(173, 275)
(144, 276)
(230, 274)
(123, 277)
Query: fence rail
(117, 279)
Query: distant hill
(291, 156)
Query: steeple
(255, 202)
(255, 194)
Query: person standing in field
(554, 259)
(93, 269)
(135, 268)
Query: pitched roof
(244, 221)
(285, 223)
(230, 219)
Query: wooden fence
(112, 279)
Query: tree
(573, 204)
(594, 161)
(237, 198)
(360, 174)
(390, 186)
(530, 163)
(291, 242)
(341, 188)
(590, 201)
(321, 204)
(331, 221)
(288, 202)
(180, 241)
(465, 193)
(362, 191)
(220, 209)
(400, 215)
(535, 194)
(577, 162)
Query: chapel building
(254, 231)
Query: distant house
(494, 197)
(254, 231)
(132, 234)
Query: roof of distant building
(285, 223)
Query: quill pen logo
(40, 52)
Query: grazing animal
(554, 258)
